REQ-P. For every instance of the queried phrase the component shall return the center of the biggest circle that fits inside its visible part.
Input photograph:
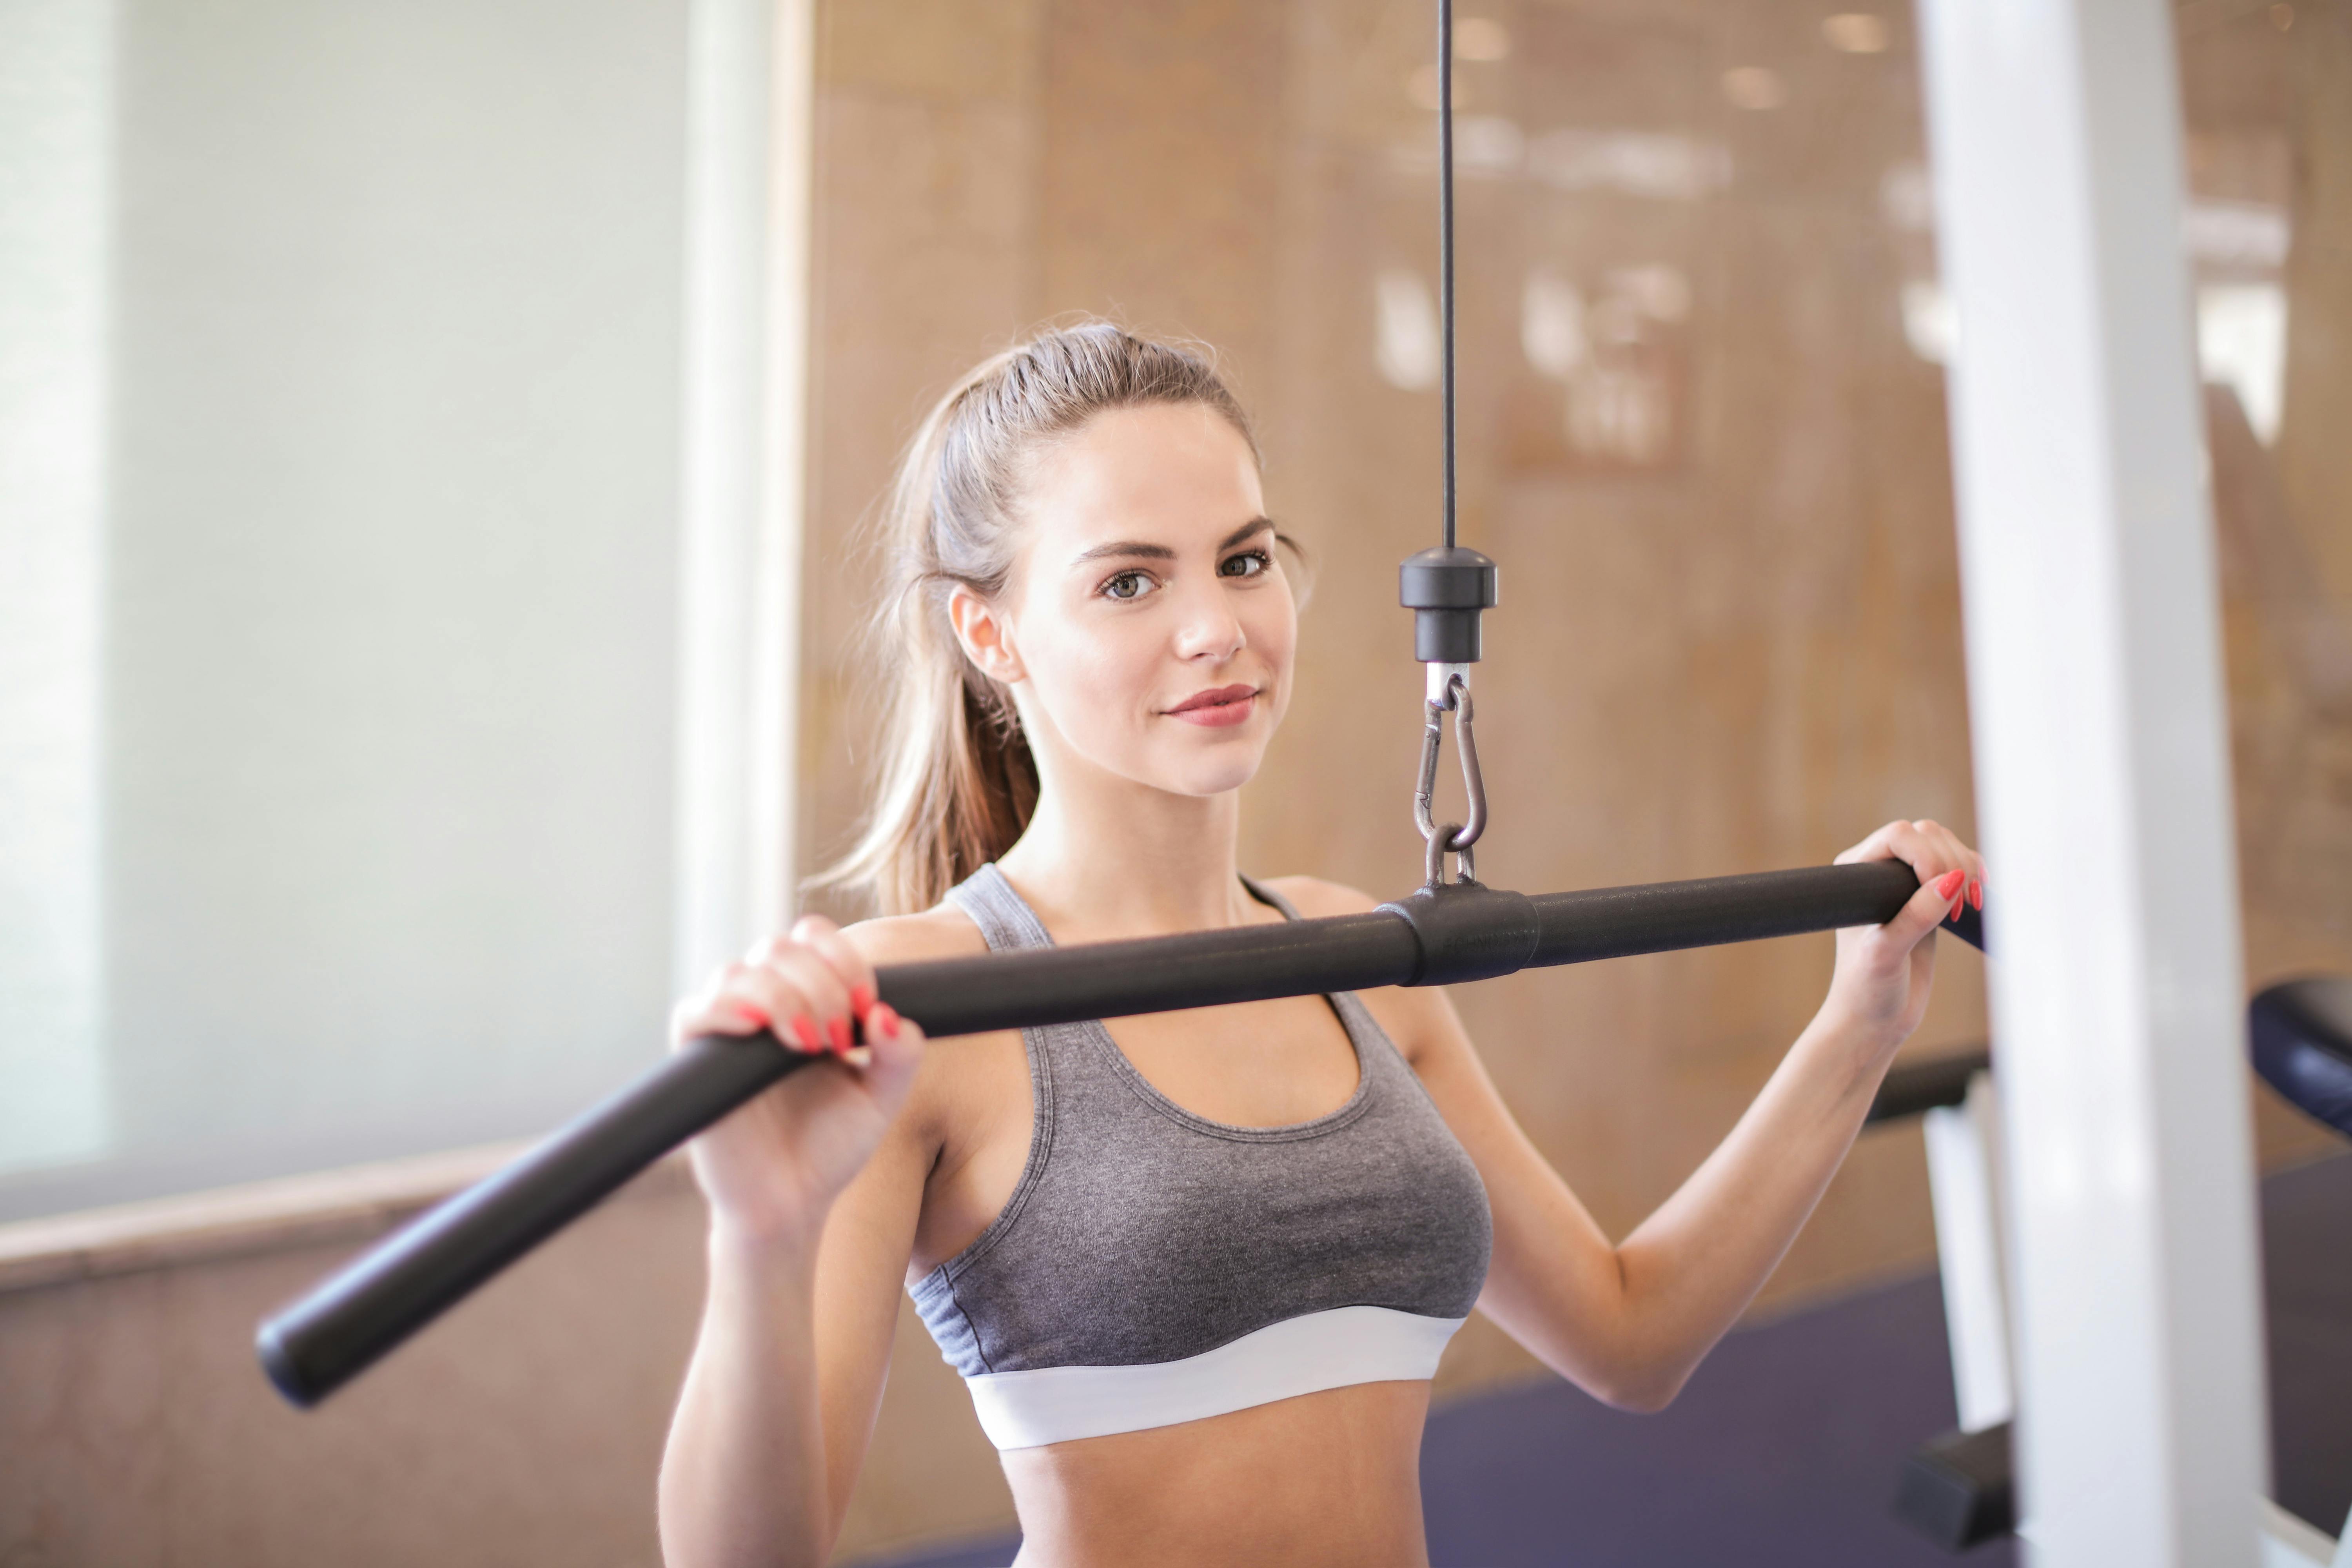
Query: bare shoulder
(1316, 898)
(943, 931)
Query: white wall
(55, 130)
(389, 577)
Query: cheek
(1270, 621)
(1086, 667)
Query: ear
(986, 636)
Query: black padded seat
(2302, 1033)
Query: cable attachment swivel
(1454, 837)
(1445, 589)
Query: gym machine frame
(1959, 1490)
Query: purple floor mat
(2307, 1283)
(1784, 1448)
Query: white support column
(2291, 1542)
(1961, 1149)
(743, 376)
(2103, 784)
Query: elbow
(1639, 1389)
(1637, 1399)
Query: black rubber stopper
(1446, 588)
(1958, 1490)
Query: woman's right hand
(772, 1168)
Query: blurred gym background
(343, 590)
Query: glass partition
(1703, 430)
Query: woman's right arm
(766, 1442)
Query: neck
(1105, 858)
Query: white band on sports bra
(1298, 1356)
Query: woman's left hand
(1884, 973)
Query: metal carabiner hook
(1456, 837)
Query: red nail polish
(1976, 895)
(839, 1029)
(885, 1018)
(1949, 883)
(861, 999)
(804, 1031)
(753, 1012)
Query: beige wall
(136, 1429)
(524, 1428)
(1733, 649)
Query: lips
(1224, 705)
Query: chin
(1204, 777)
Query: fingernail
(1976, 895)
(861, 999)
(883, 1020)
(839, 1029)
(753, 1012)
(804, 1031)
(1949, 883)
(857, 1057)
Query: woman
(1196, 1268)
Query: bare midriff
(1330, 1478)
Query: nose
(1209, 630)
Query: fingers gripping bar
(1457, 932)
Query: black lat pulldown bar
(1456, 932)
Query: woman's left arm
(1630, 1322)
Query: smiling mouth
(1224, 705)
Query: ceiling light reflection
(1754, 86)
(1906, 199)
(1653, 163)
(2237, 234)
(1405, 329)
(1929, 322)
(1856, 32)
(1481, 38)
(1551, 324)
(2241, 343)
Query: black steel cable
(1445, 243)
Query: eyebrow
(1133, 550)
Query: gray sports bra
(1154, 1266)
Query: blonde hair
(956, 783)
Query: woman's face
(1147, 628)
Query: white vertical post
(2292, 1543)
(750, 98)
(1961, 1148)
(783, 462)
(2103, 785)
